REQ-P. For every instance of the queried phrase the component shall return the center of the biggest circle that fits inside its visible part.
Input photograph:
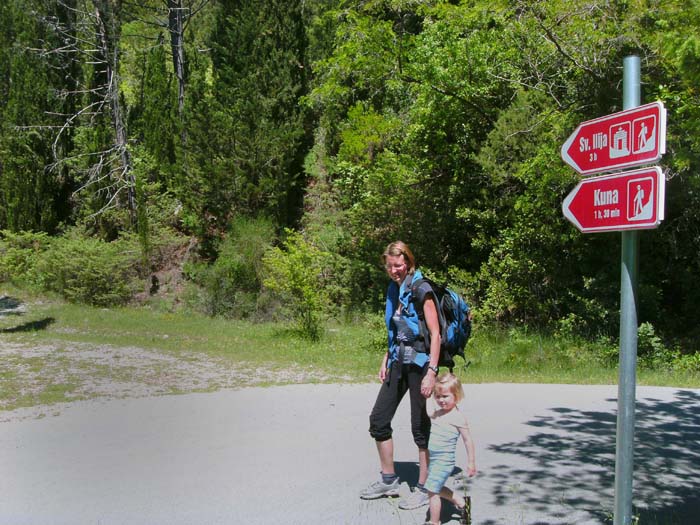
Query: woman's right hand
(383, 370)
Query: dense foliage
(344, 125)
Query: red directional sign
(622, 140)
(633, 200)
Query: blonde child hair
(452, 383)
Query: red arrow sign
(633, 200)
(629, 138)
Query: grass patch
(520, 356)
(342, 352)
(259, 353)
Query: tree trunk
(177, 45)
(108, 34)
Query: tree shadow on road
(30, 326)
(12, 306)
(572, 464)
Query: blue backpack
(453, 315)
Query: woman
(409, 365)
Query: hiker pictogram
(644, 132)
(640, 199)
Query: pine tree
(158, 122)
(34, 193)
(258, 54)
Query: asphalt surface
(301, 454)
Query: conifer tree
(34, 193)
(158, 119)
(258, 54)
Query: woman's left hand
(427, 384)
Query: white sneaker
(379, 489)
(416, 499)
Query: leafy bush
(689, 363)
(231, 286)
(654, 354)
(298, 274)
(88, 270)
(19, 253)
(376, 334)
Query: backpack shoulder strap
(420, 290)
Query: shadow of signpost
(571, 475)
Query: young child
(448, 423)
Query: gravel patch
(40, 378)
(82, 371)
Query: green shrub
(19, 253)
(298, 273)
(652, 353)
(689, 363)
(376, 335)
(231, 286)
(166, 247)
(88, 270)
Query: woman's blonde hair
(452, 383)
(397, 248)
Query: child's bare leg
(453, 497)
(435, 506)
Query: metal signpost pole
(624, 452)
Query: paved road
(300, 455)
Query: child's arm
(469, 445)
